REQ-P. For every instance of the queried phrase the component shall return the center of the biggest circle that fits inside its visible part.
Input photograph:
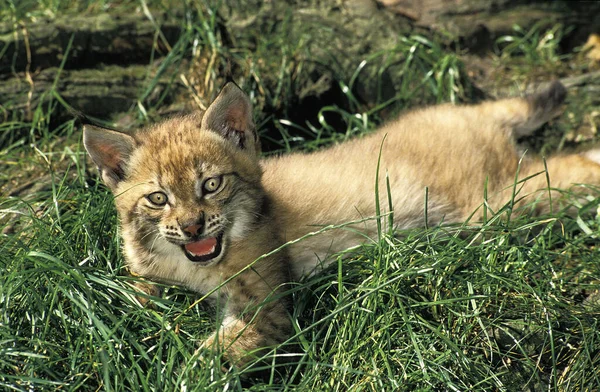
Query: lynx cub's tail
(543, 105)
(525, 115)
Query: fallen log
(98, 92)
(103, 38)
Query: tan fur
(452, 151)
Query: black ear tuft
(230, 115)
(110, 150)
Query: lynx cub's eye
(212, 184)
(157, 198)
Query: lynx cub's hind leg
(520, 117)
(565, 171)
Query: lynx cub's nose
(193, 230)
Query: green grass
(505, 305)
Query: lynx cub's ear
(110, 151)
(230, 115)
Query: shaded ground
(73, 54)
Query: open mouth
(204, 250)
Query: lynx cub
(197, 204)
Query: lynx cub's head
(185, 188)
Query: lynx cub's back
(197, 205)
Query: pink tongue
(202, 247)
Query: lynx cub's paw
(239, 342)
(145, 290)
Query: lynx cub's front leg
(256, 319)
(243, 338)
